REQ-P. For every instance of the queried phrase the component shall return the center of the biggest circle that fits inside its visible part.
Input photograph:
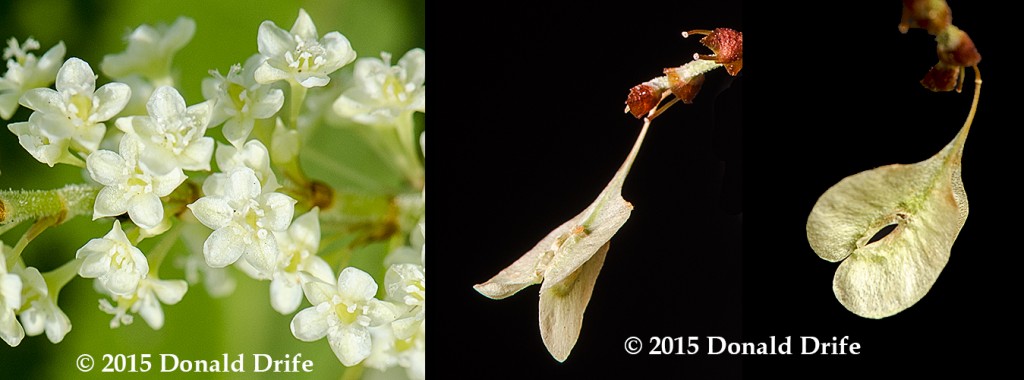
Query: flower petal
(111, 99)
(272, 41)
(146, 210)
(95, 263)
(243, 184)
(316, 291)
(285, 295)
(166, 102)
(76, 77)
(110, 202)
(262, 254)
(339, 51)
(318, 268)
(224, 246)
(267, 103)
(150, 310)
(304, 26)
(310, 80)
(107, 168)
(212, 212)
(351, 344)
(169, 292)
(310, 324)
(266, 73)
(121, 281)
(179, 34)
(354, 285)
(165, 184)
(305, 230)
(43, 100)
(279, 209)
(198, 155)
(10, 330)
(57, 325)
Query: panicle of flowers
(154, 169)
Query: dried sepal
(942, 77)
(930, 15)
(683, 81)
(644, 97)
(684, 88)
(956, 48)
(727, 45)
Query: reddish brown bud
(941, 77)
(727, 44)
(930, 15)
(683, 89)
(956, 48)
(642, 99)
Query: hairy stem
(67, 202)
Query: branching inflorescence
(152, 177)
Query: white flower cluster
(150, 184)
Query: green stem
(68, 202)
(353, 372)
(406, 130)
(297, 97)
(159, 252)
(37, 228)
(57, 278)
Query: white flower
(25, 72)
(298, 56)
(10, 301)
(217, 281)
(298, 246)
(406, 284)
(389, 351)
(383, 92)
(114, 261)
(77, 109)
(243, 219)
(70, 117)
(150, 51)
(172, 136)
(129, 185)
(403, 341)
(240, 100)
(252, 155)
(42, 313)
(145, 301)
(343, 313)
(42, 145)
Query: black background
(835, 92)
(529, 128)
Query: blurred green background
(199, 327)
